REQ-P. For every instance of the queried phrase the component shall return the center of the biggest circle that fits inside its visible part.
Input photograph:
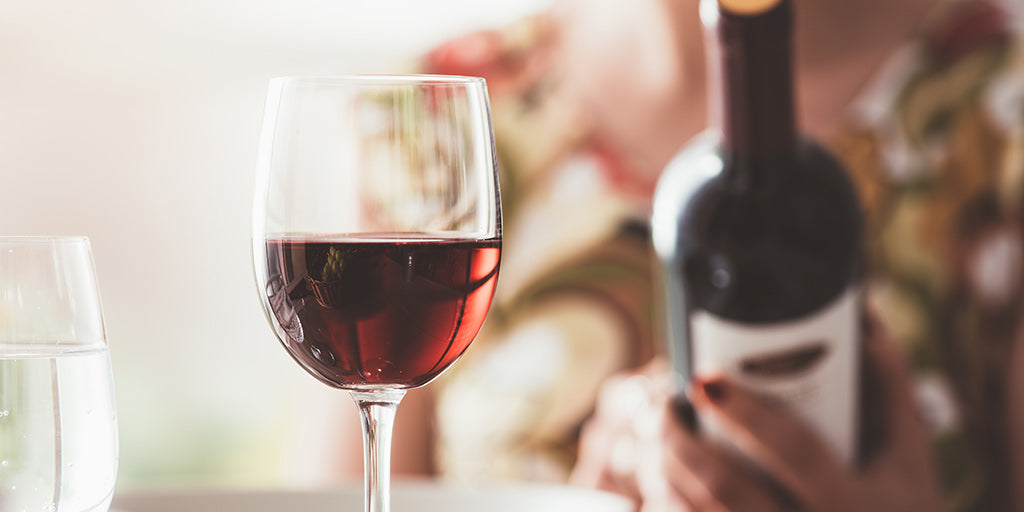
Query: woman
(921, 99)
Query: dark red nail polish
(714, 389)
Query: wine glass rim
(384, 79)
(42, 239)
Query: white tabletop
(406, 496)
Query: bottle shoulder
(697, 164)
(702, 184)
(789, 238)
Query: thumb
(888, 388)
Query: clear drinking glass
(376, 235)
(58, 426)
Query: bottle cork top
(747, 7)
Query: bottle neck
(751, 72)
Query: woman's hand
(625, 420)
(675, 468)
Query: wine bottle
(758, 231)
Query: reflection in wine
(371, 313)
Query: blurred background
(136, 124)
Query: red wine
(370, 312)
(759, 233)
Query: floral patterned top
(936, 147)
(575, 302)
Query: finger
(784, 445)
(893, 387)
(903, 454)
(592, 467)
(607, 456)
(657, 494)
(606, 459)
(705, 474)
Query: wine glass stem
(377, 410)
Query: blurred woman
(923, 100)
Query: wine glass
(58, 425)
(376, 235)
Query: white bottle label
(810, 364)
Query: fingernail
(713, 389)
(683, 409)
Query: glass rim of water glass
(383, 79)
(41, 239)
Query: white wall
(136, 123)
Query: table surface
(425, 496)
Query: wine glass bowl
(376, 234)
